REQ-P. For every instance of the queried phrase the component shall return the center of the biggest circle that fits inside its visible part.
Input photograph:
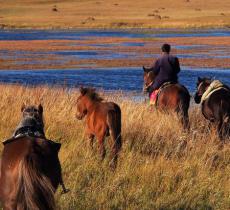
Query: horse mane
(91, 93)
(204, 79)
(34, 190)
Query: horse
(215, 104)
(102, 119)
(30, 171)
(171, 97)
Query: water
(109, 79)
(86, 34)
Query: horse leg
(64, 189)
(0, 168)
(114, 124)
(183, 117)
(224, 128)
(10, 204)
(220, 130)
(185, 121)
(115, 150)
(101, 146)
(227, 125)
(91, 139)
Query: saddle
(213, 87)
(155, 94)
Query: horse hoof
(65, 191)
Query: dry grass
(160, 166)
(114, 13)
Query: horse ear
(23, 107)
(40, 108)
(199, 79)
(56, 146)
(83, 91)
(144, 69)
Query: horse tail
(114, 123)
(34, 190)
(182, 110)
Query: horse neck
(90, 104)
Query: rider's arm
(156, 67)
(177, 65)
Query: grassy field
(160, 165)
(114, 14)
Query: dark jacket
(166, 68)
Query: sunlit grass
(161, 166)
(114, 14)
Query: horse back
(97, 120)
(217, 105)
(174, 95)
(104, 108)
(35, 150)
(12, 154)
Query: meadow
(70, 14)
(161, 166)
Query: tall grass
(161, 166)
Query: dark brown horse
(30, 169)
(173, 97)
(102, 119)
(215, 104)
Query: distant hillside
(114, 14)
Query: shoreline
(138, 29)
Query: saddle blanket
(154, 95)
(213, 87)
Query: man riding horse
(160, 81)
(166, 69)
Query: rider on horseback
(166, 68)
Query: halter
(147, 86)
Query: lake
(108, 78)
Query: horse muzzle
(80, 116)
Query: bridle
(199, 86)
(146, 86)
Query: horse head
(33, 112)
(81, 104)
(202, 85)
(149, 78)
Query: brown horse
(173, 97)
(30, 169)
(102, 119)
(215, 104)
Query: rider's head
(166, 48)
